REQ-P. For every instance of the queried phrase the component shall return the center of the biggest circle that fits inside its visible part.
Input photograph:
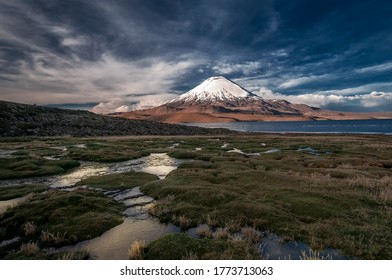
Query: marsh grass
(181, 246)
(62, 217)
(120, 181)
(19, 191)
(297, 195)
(54, 238)
(136, 250)
(23, 167)
(313, 255)
(204, 231)
(338, 199)
(29, 228)
(29, 249)
(81, 254)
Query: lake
(382, 126)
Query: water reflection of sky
(10, 203)
(159, 164)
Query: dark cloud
(119, 52)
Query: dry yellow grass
(56, 238)
(204, 231)
(135, 251)
(184, 222)
(313, 255)
(29, 228)
(30, 248)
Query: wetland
(243, 196)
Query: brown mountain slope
(218, 99)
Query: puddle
(137, 225)
(272, 248)
(174, 145)
(242, 153)
(62, 148)
(10, 241)
(310, 151)
(271, 151)
(159, 164)
(80, 146)
(114, 244)
(84, 171)
(10, 203)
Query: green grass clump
(23, 167)
(181, 246)
(61, 217)
(120, 181)
(101, 153)
(340, 198)
(18, 191)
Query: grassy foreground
(58, 218)
(330, 191)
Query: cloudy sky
(125, 54)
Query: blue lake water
(383, 126)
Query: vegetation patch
(23, 167)
(59, 217)
(19, 191)
(181, 247)
(120, 181)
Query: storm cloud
(122, 55)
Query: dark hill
(28, 120)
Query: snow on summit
(215, 89)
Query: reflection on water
(84, 171)
(272, 248)
(114, 244)
(6, 153)
(10, 203)
(137, 225)
(159, 164)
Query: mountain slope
(27, 120)
(218, 99)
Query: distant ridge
(218, 99)
(18, 120)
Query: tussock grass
(135, 251)
(53, 238)
(29, 228)
(184, 222)
(204, 231)
(81, 254)
(313, 255)
(29, 249)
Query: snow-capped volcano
(215, 89)
(218, 99)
